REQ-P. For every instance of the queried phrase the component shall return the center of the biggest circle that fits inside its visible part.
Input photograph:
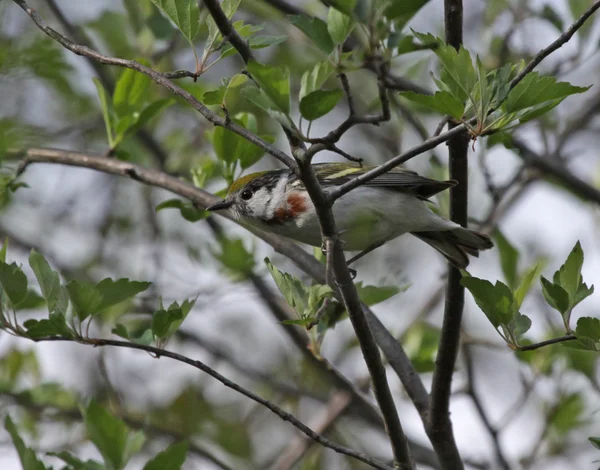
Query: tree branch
(285, 416)
(557, 44)
(227, 30)
(161, 80)
(307, 263)
(440, 426)
(336, 261)
(548, 342)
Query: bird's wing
(397, 179)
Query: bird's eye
(246, 194)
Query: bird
(381, 209)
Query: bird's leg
(363, 253)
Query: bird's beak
(220, 205)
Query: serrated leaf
(54, 326)
(162, 320)
(496, 301)
(85, 297)
(111, 436)
(184, 13)
(14, 282)
(115, 292)
(442, 102)
(509, 259)
(274, 81)
(319, 103)
(588, 327)
(536, 90)
(316, 29)
(29, 460)
(569, 274)
(339, 25)
(555, 295)
(171, 458)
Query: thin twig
(284, 415)
(557, 44)
(492, 431)
(548, 342)
(161, 80)
(227, 30)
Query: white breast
(366, 216)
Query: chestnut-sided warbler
(384, 208)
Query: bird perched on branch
(380, 210)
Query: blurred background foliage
(529, 410)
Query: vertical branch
(440, 426)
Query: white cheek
(259, 205)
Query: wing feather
(397, 179)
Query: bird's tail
(456, 244)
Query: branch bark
(440, 426)
(284, 415)
(160, 79)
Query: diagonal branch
(227, 30)
(284, 415)
(336, 264)
(159, 79)
(557, 44)
(385, 340)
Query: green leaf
(149, 112)
(235, 258)
(313, 79)
(3, 250)
(29, 460)
(165, 322)
(14, 282)
(213, 97)
(339, 25)
(319, 103)
(231, 147)
(229, 7)
(184, 13)
(566, 414)
(114, 292)
(75, 463)
(555, 295)
(595, 441)
(569, 274)
(345, 6)
(442, 102)
(421, 343)
(171, 458)
(187, 209)
(522, 324)
(526, 282)
(86, 298)
(111, 436)
(131, 91)
(536, 90)
(274, 81)
(316, 29)
(260, 42)
(496, 301)
(588, 327)
(259, 98)
(402, 12)
(509, 259)
(107, 111)
(49, 281)
(372, 295)
(550, 14)
(31, 301)
(54, 326)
